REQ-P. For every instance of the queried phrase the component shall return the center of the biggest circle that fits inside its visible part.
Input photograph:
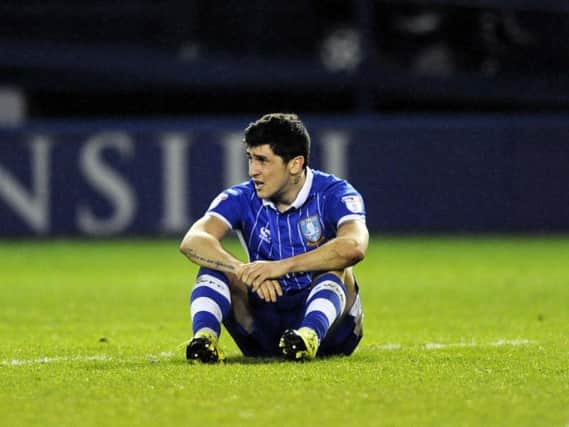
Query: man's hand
(260, 276)
(255, 273)
(269, 290)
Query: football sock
(210, 302)
(325, 303)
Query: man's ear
(296, 165)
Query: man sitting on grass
(303, 230)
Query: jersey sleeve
(344, 203)
(227, 207)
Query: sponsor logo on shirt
(311, 230)
(353, 203)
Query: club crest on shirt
(311, 230)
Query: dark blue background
(490, 173)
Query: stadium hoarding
(110, 182)
(486, 173)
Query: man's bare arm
(202, 245)
(348, 248)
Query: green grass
(89, 333)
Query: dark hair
(283, 132)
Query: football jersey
(322, 205)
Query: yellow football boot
(203, 347)
(299, 344)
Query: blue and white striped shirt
(322, 205)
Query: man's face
(268, 171)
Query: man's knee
(347, 278)
(238, 293)
(240, 307)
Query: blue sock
(324, 304)
(210, 301)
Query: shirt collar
(302, 194)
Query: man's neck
(288, 198)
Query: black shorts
(270, 320)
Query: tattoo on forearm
(210, 262)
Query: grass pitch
(458, 331)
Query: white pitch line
(171, 355)
(93, 358)
(387, 346)
(437, 346)
(43, 360)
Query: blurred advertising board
(417, 174)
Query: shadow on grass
(181, 362)
(242, 360)
(176, 359)
(140, 362)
